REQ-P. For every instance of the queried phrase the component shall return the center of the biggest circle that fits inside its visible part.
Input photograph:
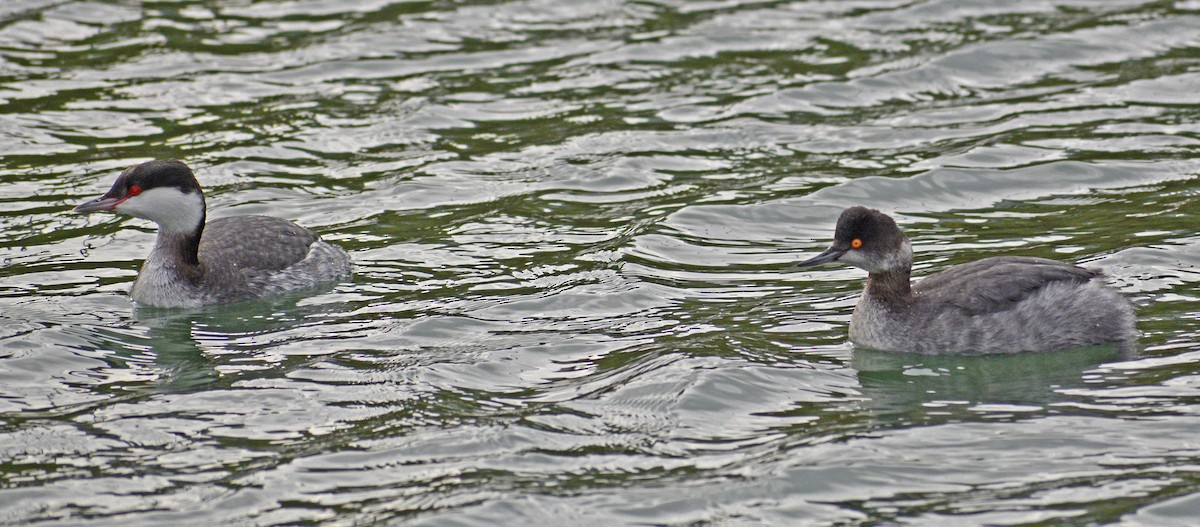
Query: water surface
(573, 225)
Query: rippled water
(573, 224)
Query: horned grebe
(195, 264)
(995, 305)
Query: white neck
(174, 211)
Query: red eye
(856, 243)
(135, 190)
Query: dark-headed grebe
(995, 305)
(196, 264)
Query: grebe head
(867, 239)
(165, 192)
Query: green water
(573, 224)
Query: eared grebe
(226, 260)
(995, 305)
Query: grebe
(196, 264)
(996, 305)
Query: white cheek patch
(172, 210)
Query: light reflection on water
(573, 228)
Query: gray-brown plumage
(194, 263)
(995, 305)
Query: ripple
(573, 227)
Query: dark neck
(181, 248)
(892, 288)
(191, 247)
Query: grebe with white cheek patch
(194, 263)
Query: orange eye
(135, 190)
(856, 243)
